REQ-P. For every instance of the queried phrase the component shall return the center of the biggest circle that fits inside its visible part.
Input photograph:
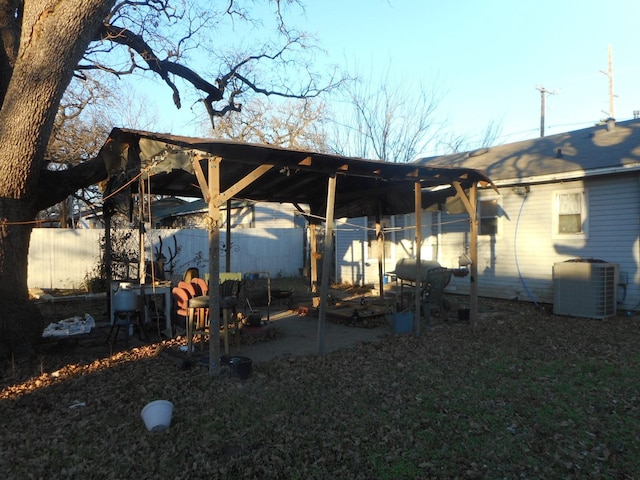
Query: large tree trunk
(53, 39)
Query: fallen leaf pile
(525, 394)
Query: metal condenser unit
(585, 288)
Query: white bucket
(157, 415)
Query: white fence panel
(60, 258)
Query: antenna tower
(612, 95)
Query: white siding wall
(518, 262)
(277, 215)
(60, 258)
(353, 264)
(351, 250)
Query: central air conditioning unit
(585, 288)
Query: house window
(488, 211)
(372, 241)
(569, 217)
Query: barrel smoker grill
(433, 279)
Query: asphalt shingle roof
(607, 148)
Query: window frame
(584, 214)
(498, 217)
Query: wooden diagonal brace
(463, 197)
(241, 184)
(202, 181)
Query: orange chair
(200, 302)
(201, 284)
(190, 274)
(197, 313)
(181, 300)
(188, 286)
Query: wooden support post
(108, 257)
(227, 260)
(214, 265)
(142, 264)
(313, 274)
(471, 204)
(473, 251)
(326, 261)
(418, 237)
(380, 243)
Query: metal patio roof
(364, 187)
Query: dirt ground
(292, 331)
(524, 394)
(290, 328)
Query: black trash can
(240, 367)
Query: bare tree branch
(388, 120)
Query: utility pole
(609, 73)
(543, 95)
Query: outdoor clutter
(70, 326)
(157, 415)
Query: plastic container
(403, 322)
(157, 415)
(125, 299)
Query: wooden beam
(213, 225)
(471, 204)
(473, 251)
(327, 260)
(313, 274)
(380, 244)
(227, 252)
(108, 258)
(463, 197)
(418, 237)
(220, 198)
(202, 181)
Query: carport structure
(328, 186)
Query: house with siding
(242, 214)
(568, 197)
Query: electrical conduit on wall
(515, 251)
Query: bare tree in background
(291, 123)
(385, 120)
(454, 143)
(43, 45)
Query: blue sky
(489, 57)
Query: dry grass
(524, 395)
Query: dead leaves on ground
(525, 394)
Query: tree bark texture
(53, 37)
